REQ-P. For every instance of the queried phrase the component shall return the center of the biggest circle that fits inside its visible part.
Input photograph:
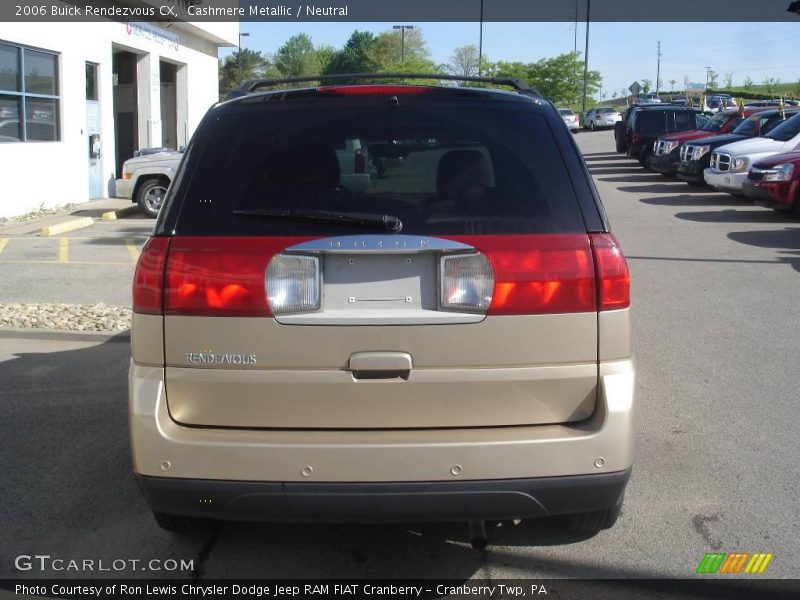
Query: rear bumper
(384, 502)
(340, 475)
(124, 188)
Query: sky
(622, 52)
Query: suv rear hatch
(458, 288)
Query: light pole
(402, 29)
(241, 35)
(239, 58)
(586, 57)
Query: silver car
(602, 116)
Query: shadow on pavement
(753, 215)
(70, 491)
(787, 241)
(692, 200)
(640, 177)
(673, 187)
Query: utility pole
(575, 53)
(708, 70)
(480, 44)
(658, 69)
(586, 57)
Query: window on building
(29, 88)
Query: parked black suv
(695, 156)
(647, 123)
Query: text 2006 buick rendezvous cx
(451, 342)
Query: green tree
(553, 77)
(238, 68)
(713, 79)
(796, 89)
(297, 57)
(647, 85)
(747, 83)
(671, 85)
(355, 57)
(391, 47)
(324, 55)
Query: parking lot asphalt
(715, 285)
(86, 266)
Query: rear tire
(180, 524)
(150, 196)
(593, 522)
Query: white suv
(730, 164)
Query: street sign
(635, 88)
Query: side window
(684, 120)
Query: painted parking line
(63, 250)
(133, 249)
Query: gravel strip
(71, 317)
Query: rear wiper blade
(388, 222)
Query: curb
(113, 215)
(65, 335)
(66, 226)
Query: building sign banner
(152, 34)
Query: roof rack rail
(520, 86)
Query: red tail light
(612, 272)
(536, 274)
(148, 280)
(218, 276)
(635, 138)
(373, 90)
(359, 164)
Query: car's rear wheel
(591, 125)
(180, 524)
(150, 196)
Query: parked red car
(664, 158)
(775, 182)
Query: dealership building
(77, 99)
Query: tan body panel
(507, 341)
(335, 400)
(164, 448)
(510, 370)
(147, 339)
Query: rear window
(441, 169)
(658, 121)
(565, 112)
(605, 110)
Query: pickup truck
(146, 178)
(694, 156)
(775, 182)
(730, 163)
(666, 148)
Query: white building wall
(48, 174)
